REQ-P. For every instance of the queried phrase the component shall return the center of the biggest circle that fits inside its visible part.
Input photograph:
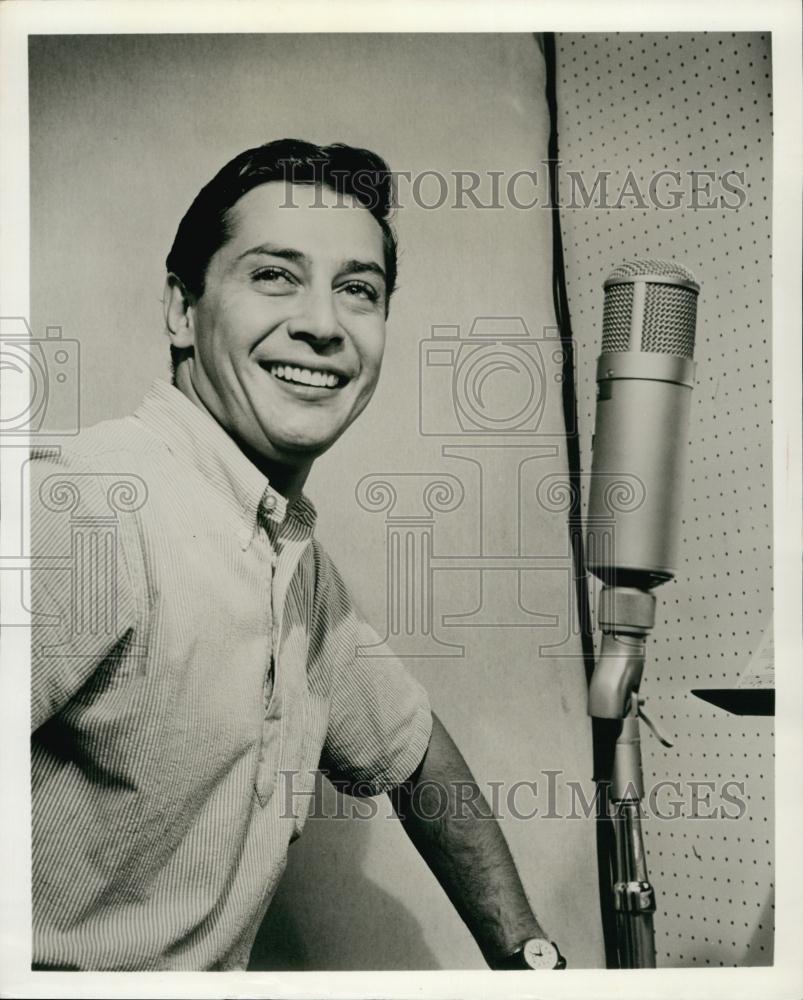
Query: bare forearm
(454, 830)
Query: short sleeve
(82, 597)
(379, 719)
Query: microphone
(645, 375)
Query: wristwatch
(534, 953)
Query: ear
(179, 313)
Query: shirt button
(270, 502)
(244, 537)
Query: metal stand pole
(634, 898)
(626, 616)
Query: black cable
(603, 735)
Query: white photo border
(21, 18)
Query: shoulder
(98, 448)
(328, 581)
(99, 472)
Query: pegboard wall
(630, 108)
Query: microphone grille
(617, 314)
(670, 317)
(667, 325)
(642, 268)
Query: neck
(286, 478)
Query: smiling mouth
(315, 377)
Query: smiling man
(285, 344)
(182, 675)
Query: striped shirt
(193, 663)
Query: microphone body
(645, 375)
(644, 379)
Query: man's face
(290, 330)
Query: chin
(297, 451)
(305, 444)
(301, 451)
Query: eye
(361, 290)
(274, 277)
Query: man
(223, 660)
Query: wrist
(509, 940)
(535, 953)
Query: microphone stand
(626, 615)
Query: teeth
(304, 376)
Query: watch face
(540, 954)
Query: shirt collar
(194, 435)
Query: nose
(316, 321)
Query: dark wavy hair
(347, 170)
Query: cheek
(372, 349)
(231, 320)
(226, 344)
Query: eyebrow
(361, 266)
(274, 250)
(287, 253)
